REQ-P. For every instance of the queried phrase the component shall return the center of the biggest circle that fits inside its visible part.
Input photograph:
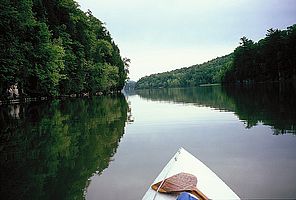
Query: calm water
(113, 147)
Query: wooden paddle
(182, 182)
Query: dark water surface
(103, 148)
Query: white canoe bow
(207, 181)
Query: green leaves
(53, 48)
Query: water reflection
(130, 118)
(272, 104)
(48, 151)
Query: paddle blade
(176, 183)
(179, 183)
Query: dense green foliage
(50, 150)
(53, 48)
(208, 72)
(270, 59)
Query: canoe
(207, 181)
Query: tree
(270, 59)
(126, 63)
(52, 48)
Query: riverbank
(44, 98)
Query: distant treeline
(208, 72)
(271, 59)
(53, 48)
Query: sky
(162, 35)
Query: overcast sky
(161, 35)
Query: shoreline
(21, 100)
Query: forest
(206, 73)
(271, 59)
(53, 48)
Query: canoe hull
(208, 182)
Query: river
(113, 147)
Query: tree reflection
(272, 104)
(50, 149)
